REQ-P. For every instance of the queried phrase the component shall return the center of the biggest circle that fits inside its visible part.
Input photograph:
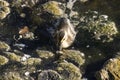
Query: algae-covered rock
(32, 61)
(45, 54)
(13, 56)
(53, 8)
(4, 46)
(11, 76)
(68, 71)
(4, 9)
(110, 70)
(3, 60)
(99, 27)
(24, 3)
(73, 56)
(49, 75)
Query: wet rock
(11, 76)
(13, 56)
(4, 46)
(99, 27)
(46, 55)
(53, 7)
(68, 71)
(5, 10)
(3, 60)
(49, 75)
(110, 70)
(32, 61)
(73, 56)
(24, 3)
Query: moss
(45, 54)
(99, 26)
(76, 57)
(13, 57)
(2, 15)
(12, 76)
(32, 61)
(110, 70)
(3, 3)
(3, 60)
(53, 8)
(5, 10)
(68, 71)
(4, 46)
(49, 74)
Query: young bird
(65, 34)
(25, 33)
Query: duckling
(65, 34)
(25, 33)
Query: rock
(13, 56)
(4, 46)
(53, 7)
(68, 71)
(3, 60)
(49, 75)
(46, 55)
(110, 70)
(73, 56)
(24, 3)
(5, 10)
(32, 61)
(99, 27)
(11, 76)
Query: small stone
(27, 73)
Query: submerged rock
(49, 75)
(3, 60)
(68, 71)
(110, 70)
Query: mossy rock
(3, 3)
(45, 54)
(53, 8)
(4, 46)
(3, 60)
(13, 57)
(110, 70)
(73, 56)
(32, 61)
(11, 76)
(99, 27)
(26, 3)
(68, 71)
(49, 75)
(5, 10)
